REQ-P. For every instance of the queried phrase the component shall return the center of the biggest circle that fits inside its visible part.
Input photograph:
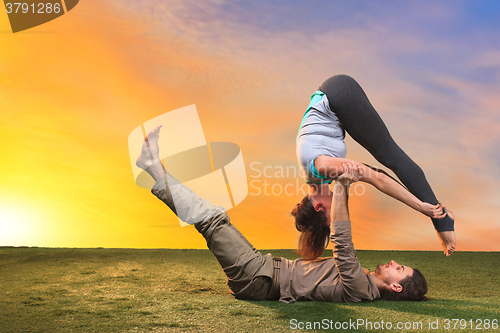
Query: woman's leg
(351, 105)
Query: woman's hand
(433, 211)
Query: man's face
(393, 272)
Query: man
(256, 277)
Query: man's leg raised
(249, 273)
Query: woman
(339, 105)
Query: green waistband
(318, 175)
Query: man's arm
(340, 199)
(354, 281)
(340, 205)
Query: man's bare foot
(448, 238)
(150, 153)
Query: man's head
(399, 283)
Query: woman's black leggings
(355, 112)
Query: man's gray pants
(249, 273)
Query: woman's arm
(391, 187)
(332, 167)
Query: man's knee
(209, 225)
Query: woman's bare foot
(149, 159)
(448, 238)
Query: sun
(15, 228)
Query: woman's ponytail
(313, 227)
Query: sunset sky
(73, 89)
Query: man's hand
(340, 208)
(351, 174)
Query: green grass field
(130, 290)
